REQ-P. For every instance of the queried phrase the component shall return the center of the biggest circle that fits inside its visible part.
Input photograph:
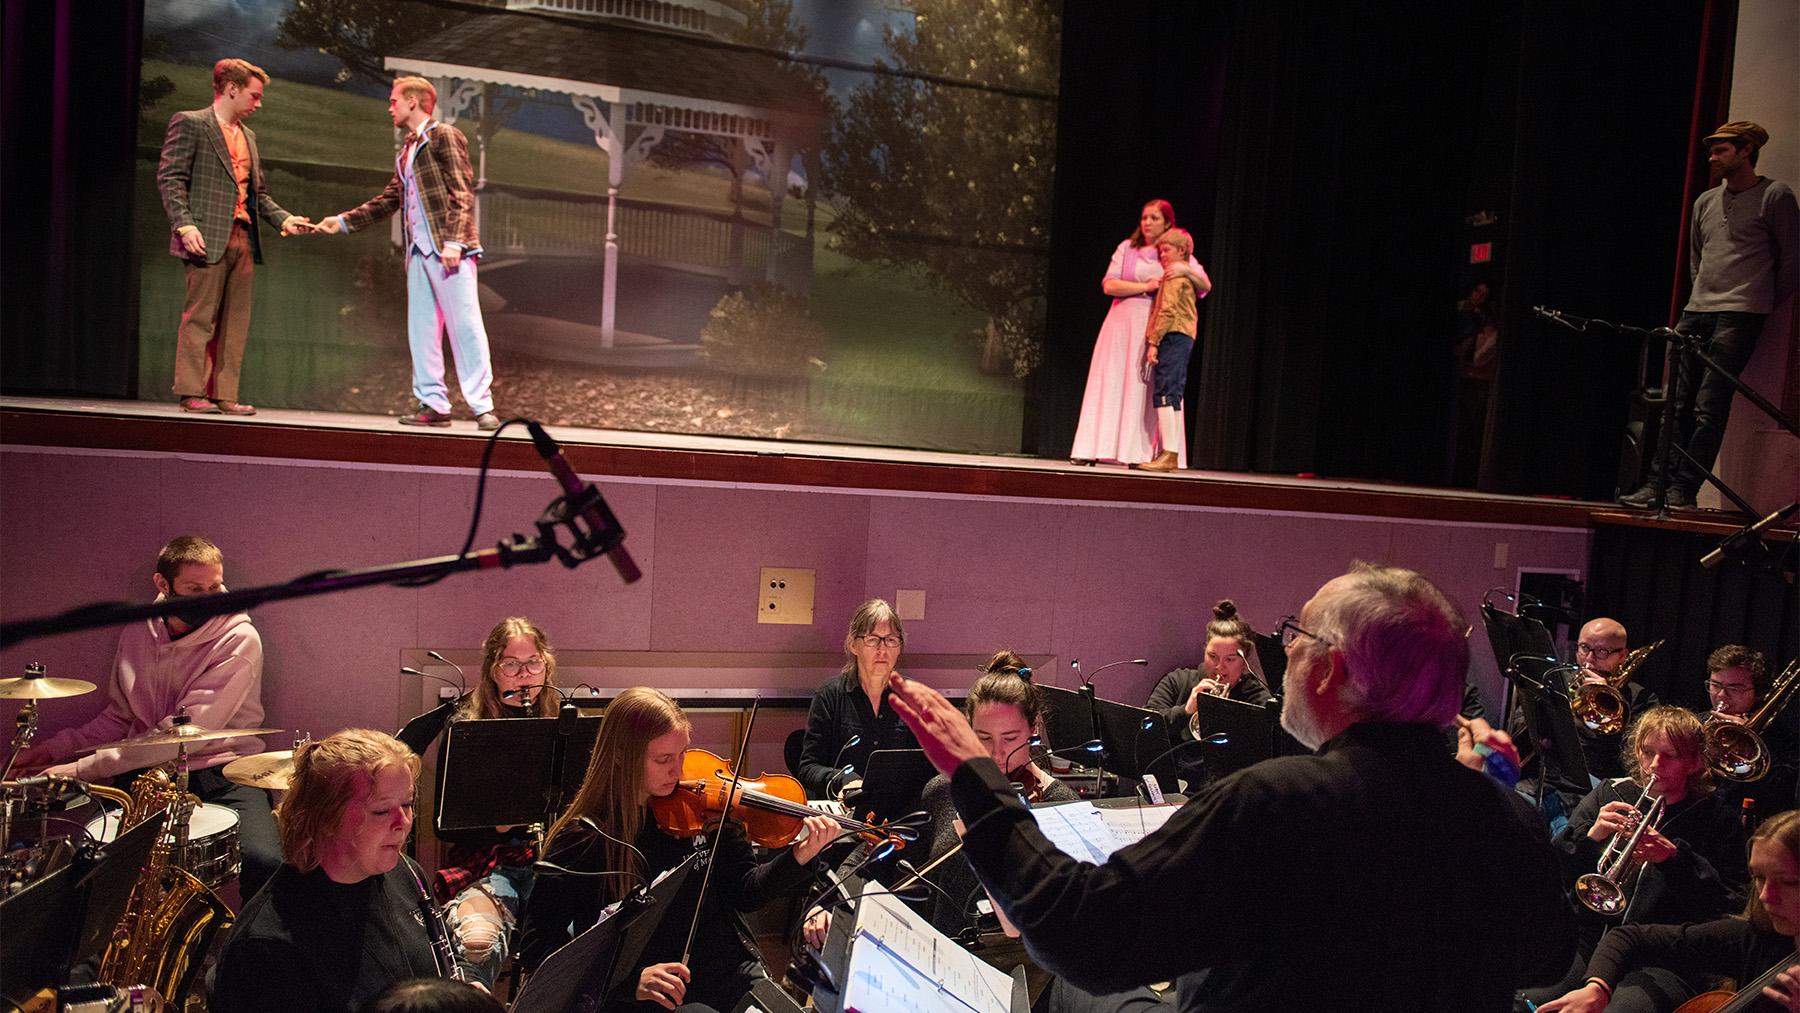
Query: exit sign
(1481, 253)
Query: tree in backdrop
(769, 25)
(943, 161)
(359, 33)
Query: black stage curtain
(1605, 98)
(1138, 118)
(68, 127)
(1352, 143)
(1651, 580)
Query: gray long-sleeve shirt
(1742, 248)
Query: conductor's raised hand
(939, 725)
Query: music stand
(606, 954)
(1511, 636)
(421, 731)
(1069, 718)
(543, 757)
(1551, 728)
(892, 782)
(55, 930)
(1249, 731)
(1134, 737)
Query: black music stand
(544, 759)
(53, 932)
(597, 962)
(1069, 719)
(1544, 701)
(892, 781)
(419, 733)
(1514, 636)
(1136, 738)
(1249, 731)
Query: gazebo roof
(611, 62)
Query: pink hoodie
(215, 671)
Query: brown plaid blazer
(446, 188)
(198, 189)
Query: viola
(770, 806)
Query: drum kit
(30, 847)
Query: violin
(770, 806)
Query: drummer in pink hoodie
(209, 669)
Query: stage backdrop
(803, 219)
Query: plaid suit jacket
(446, 188)
(198, 189)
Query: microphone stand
(1087, 688)
(1688, 349)
(587, 543)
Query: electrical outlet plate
(784, 596)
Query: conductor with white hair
(1376, 874)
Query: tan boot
(1164, 461)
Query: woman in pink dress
(1118, 424)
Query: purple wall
(1052, 580)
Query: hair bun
(1226, 609)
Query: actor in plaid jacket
(433, 190)
(212, 188)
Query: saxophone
(171, 917)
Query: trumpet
(1601, 707)
(1608, 889)
(1738, 752)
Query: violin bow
(737, 772)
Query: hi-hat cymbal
(264, 770)
(189, 734)
(43, 689)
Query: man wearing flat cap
(1742, 263)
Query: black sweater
(1377, 875)
(308, 945)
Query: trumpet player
(1224, 671)
(1738, 682)
(1688, 866)
(1600, 648)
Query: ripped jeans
(480, 940)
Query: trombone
(1738, 752)
(1601, 707)
(1609, 888)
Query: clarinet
(439, 933)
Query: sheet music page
(1088, 833)
(898, 962)
(1077, 829)
(1129, 826)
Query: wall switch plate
(784, 596)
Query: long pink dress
(1118, 423)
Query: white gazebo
(637, 71)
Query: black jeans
(1706, 396)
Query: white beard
(1298, 720)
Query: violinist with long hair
(610, 827)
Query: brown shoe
(236, 408)
(199, 406)
(1164, 461)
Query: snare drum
(212, 847)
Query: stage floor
(157, 426)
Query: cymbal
(264, 770)
(184, 733)
(43, 689)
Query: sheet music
(1091, 834)
(898, 962)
